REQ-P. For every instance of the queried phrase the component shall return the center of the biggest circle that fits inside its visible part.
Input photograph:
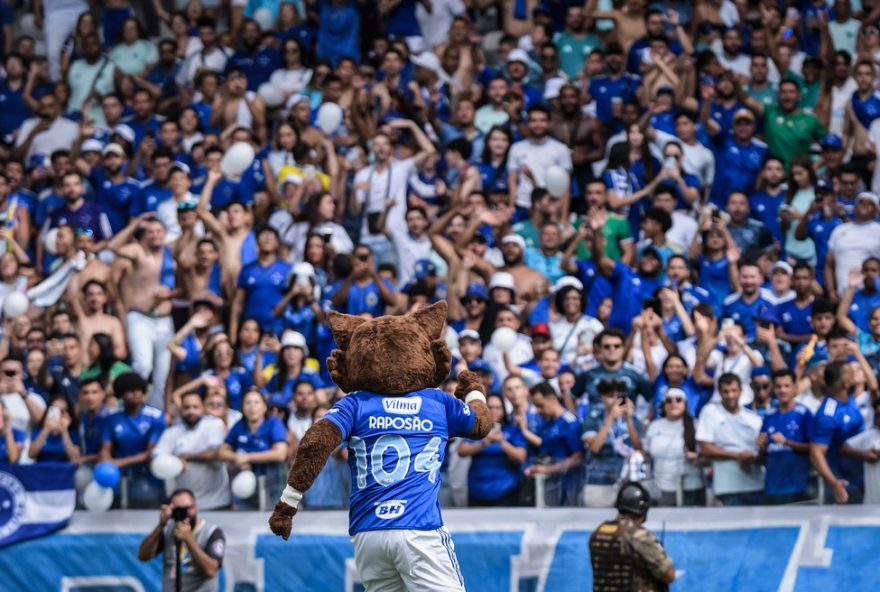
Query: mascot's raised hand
(396, 423)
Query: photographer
(192, 550)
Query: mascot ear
(342, 326)
(433, 319)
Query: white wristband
(474, 396)
(291, 496)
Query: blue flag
(35, 500)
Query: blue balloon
(107, 474)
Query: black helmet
(633, 498)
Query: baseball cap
(429, 61)
(476, 289)
(113, 148)
(424, 268)
(832, 141)
(743, 114)
(92, 145)
(760, 371)
(565, 281)
(469, 334)
(673, 392)
(872, 197)
(502, 279)
(515, 239)
(540, 330)
(303, 268)
(518, 55)
(781, 266)
(125, 132)
(277, 400)
(652, 250)
(294, 339)
(179, 166)
(824, 185)
(552, 87)
(481, 365)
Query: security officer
(625, 556)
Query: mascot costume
(396, 423)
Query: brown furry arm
(468, 382)
(318, 443)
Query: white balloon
(51, 241)
(237, 159)
(244, 485)
(82, 477)
(272, 95)
(556, 180)
(329, 117)
(97, 498)
(451, 338)
(15, 305)
(504, 339)
(264, 18)
(166, 466)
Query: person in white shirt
(696, 158)
(853, 242)
(727, 435)
(866, 446)
(732, 58)
(25, 408)
(58, 19)
(529, 159)
(412, 244)
(179, 182)
(196, 441)
(671, 444)
(386, 179)
(40, 136)
(436, 20)
(520, 354)
(211, 56)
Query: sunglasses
(674, 400)
(363, 257)
(760, 386)
(612, 346)
(473, 299)
(216, 405)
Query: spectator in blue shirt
(261, 284)
(11, 439)
(496, 460)
(784, 443)
(221, 361)
(764, 203)
(560, 453)
(739, 161)
(129, 437)
(57, 437)
(258, 61)
(611, 432)
(837, 419)
(858, 303)
(609, 349)
(15, 108)
(290, 368)
(747, 304)
(258, 442)
(613, 88)
(93, 417)
(363, 291)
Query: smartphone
(727, 324)
(496, 426)
(670, 162)
(54, 413)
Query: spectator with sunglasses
(762, 403)
(671, 443)
(363, 291)
(608, 348)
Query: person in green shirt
(788, 130)
(759, 87)
(619, 242)
(575, 43)
(104, 365)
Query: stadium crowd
(656, 226)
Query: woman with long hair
(258, 442)
(496, 461)
(134, 55)
(295, 74)
(291, 366)
(631, 175)
(800, 196)
(317, 253)
(86, 24)
(571, 329)
(493, 161)
(57, 437)
(318, 217)
(285, 145)
(221, 362)
(103, 363)
(190, 128)
(672, 445)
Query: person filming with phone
(192, 549)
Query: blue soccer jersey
(787, 470)
(398, 444)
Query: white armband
(474, 396)
(291, 496)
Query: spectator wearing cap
(469, 312)
(762, 403)
(739, 158)
(425, 281)
(470, 348)
(824, 216)
(363, 290)
(851, 243)
(300, 308)
(502, 289)
(727, 435)
(258, 442)
(835, 421)
(832, 157)
(433, 84)
(130, 434)
(788, 130)
(529, 281)
(670, 441)
(114, 191)
(530, 158)
(196, 441)
(182, 201)
(260, 285)
(486, 374)
(517, 73)
(560, 453)
(571, 329)
(290, 368)
(779, 284)
(784, 443)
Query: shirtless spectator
(237, 242)
(236, 105)
(93, 318)
(529, 282)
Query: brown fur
(391, 355)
